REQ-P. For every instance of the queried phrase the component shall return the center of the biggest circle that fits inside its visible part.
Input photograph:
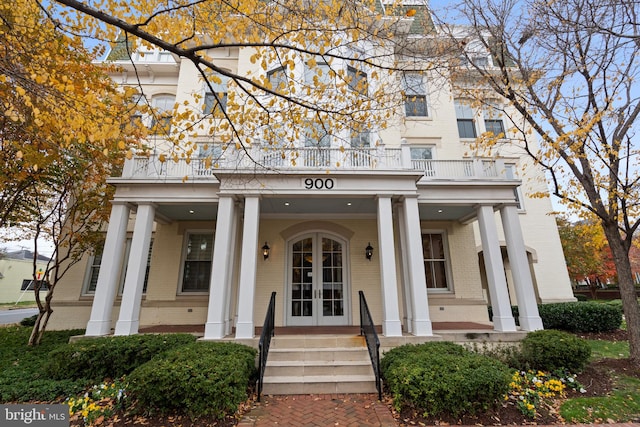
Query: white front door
(317, 291)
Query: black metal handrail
(268, 331)
(368, 329)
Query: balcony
(323, 159)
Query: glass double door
(317, 291)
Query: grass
(621, 406)
(601, 349)
(21, 304)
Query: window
(493, 120)
(96, 260)
(278, 79)
(211, 104)
(435, 260)
(196, 273)
(30, 284)
(163, 109)
(415, 95)
(357, 80)
(315, 135)
(420, 157)
(320, 74)
(464, 116)
(510, 171)
(360, 139)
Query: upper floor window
(415, 95)
(163, 110)
(465, 119)
(357, 80)
(198, 256)
(278, 79)
(493, 121)
(420, 157)
(319, 74)
(216, 101)
(360, 139)
(315, 135)
(435, 260)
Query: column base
(244, 330)
(504, 324)
(214, 331)
(127, 327)
(422, 328)
(533, 323)
(392, 328)
(98, 328)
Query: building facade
(428, 232)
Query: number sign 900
(318, 184)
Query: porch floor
(317, 330)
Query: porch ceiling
(297, 205)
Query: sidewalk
(325, 410)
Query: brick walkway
(324, 410)
(319, 410)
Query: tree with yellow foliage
(64, 128)
(569, 72)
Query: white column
(109, 275)
(527, 305)
(391, 326)
(248, 259)
(407, 304)
(232, 270)
(129, 318)
(421, 325)
(220, 267)
(502, 317)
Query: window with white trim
(318, 75)
(278, 79)
(465, 118)
(96, 260)
(216, 101)
(435, 260)
(493, 120)
(315, 135)
(511, 173)
(357, 80)
(163, 111)
(415, 95)
(360, 139)
(197, 259)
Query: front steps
(318, 364)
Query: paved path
(325, 410)
(319, 410)
(14, 316)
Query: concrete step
(318, 364)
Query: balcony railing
(322, 159)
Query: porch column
(406, 289)
(391, 326)
(527, 306)
(220, 268)
(502, 317)
(129, 319)
(231, 271)
(109, 275)
(421, 323)
(248, 259)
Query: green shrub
(110, 357)
(29, 321)
(581, 316)
(436, 382)
(551, 350)
(581, 298)
(209, 378)
(23, 375)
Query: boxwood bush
(110, 357)
(443, 378)
(551, 350)
(208, 378)
(581, 316)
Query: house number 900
(318, 184)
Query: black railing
(368, 329)
(268, 331)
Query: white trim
(450, 289)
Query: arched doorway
(317, 281)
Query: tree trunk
(627, 290)
(43, 317)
